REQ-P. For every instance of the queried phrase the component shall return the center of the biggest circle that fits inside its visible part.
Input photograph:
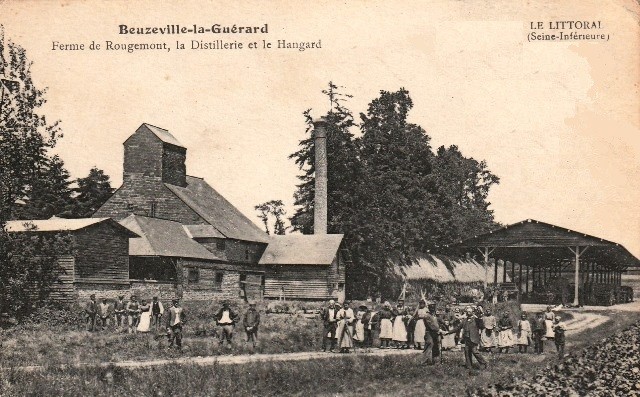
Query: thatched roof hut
(444, 269)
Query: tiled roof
(161, 237)
(56, 224)
(302, 249)
(202, 231)
(217, 211)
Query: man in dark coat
(91, 311)
(471, 326)
(175, 321)
(251, 321)
(431, 337)
(329, 322)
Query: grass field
(59, 337)
(335, 375)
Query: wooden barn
(166, 261)
(301, 266)
(100, 257)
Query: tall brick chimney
(320, 199)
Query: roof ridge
(155, 126)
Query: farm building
(196, 244)
(99, 260)
(304, 267)
(553, 264)
(166, 261)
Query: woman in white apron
(419, 332)
(505, 335)
(145, 316)
(386, 326)
(358, 334)
(549, 317)
(488, 333)
(399, 328)
(524, 334)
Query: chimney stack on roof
(320, 199)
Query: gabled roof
(162, 134)
(202, 231)
(161, 237)
(529, 239)
(217, 211)
(302, 249)
(56, 224)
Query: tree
(29, 269)
(463, 187)
(389, 194)
(92, 191)
(25, 135)
(48, 192)
(275, 209)
(27, 170)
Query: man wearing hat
(119, 308)
(431, 336)
(133, 314)
(329, 322)
(175, 321)
(91, 311)
(471, 338)
(226, 319)
(251, 321)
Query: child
(524, 334)
(539, 330)
(559, 330)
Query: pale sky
(559, 122)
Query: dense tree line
(34, 184)
(389, 191)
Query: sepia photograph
(289, 198)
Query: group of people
(135, 316)
(473, 329)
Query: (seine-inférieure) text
(188, 45)
(567, 30)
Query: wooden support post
(527, 284)
(576, 279)
(513, 272)
(520, 277)
(485, 255)
(504, 271)
(495, 272)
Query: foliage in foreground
(609, 368)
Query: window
(243, 286)
(152, 268)
(220, 244)
(217, 285)
(152, 210)
(193, 276)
